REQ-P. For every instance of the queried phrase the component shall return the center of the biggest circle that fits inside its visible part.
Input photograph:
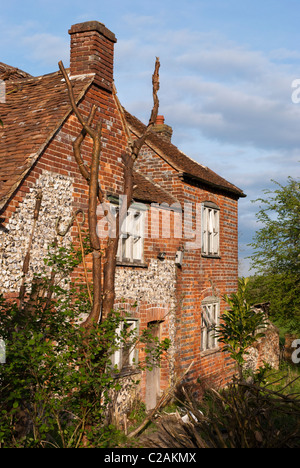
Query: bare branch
(93, 189)
(104, 303)
(138, 143)
(122, 113)
(77, 146)
(86, 127)
(129, 158)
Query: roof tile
(34, 109)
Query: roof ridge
(8, 70)
(184, 164)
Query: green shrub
(57, 382)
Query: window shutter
(210, 319)
(204, 230)
(138, 235)
(216, 233)
(131, 244)
(210, 229)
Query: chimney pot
(161, 129)
(160, 120)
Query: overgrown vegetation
(244, 415)
(260, 412)
(58, 381)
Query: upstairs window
(210, 229)
(132, 233)
(131, 243)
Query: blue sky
(227, 69)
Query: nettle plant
(58, 379)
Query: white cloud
(21, 43)
(227, 91)
(46, 49)
(284, 54)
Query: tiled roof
(8, 73)
(33, 111)
(147, 191)
(35, 107)
(186, 167)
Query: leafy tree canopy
(276, 256)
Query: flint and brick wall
(63, 187)
(65, 191)
(165, 293)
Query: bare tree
(104, 296)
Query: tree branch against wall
(103, 298)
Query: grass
(286, 379)
(244, 415)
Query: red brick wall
(200, 277)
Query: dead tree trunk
(129, 159)
(103, 298)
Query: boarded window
(126, 355)
(209, 320)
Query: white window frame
(210, 318)
(210, 229)
(132, 234)
(117, 358)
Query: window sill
(126, 372)
(209, 352)
(210, 256)
(124, 263)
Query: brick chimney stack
(92, 51)
(163, 130)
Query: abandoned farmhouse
(178, 249)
